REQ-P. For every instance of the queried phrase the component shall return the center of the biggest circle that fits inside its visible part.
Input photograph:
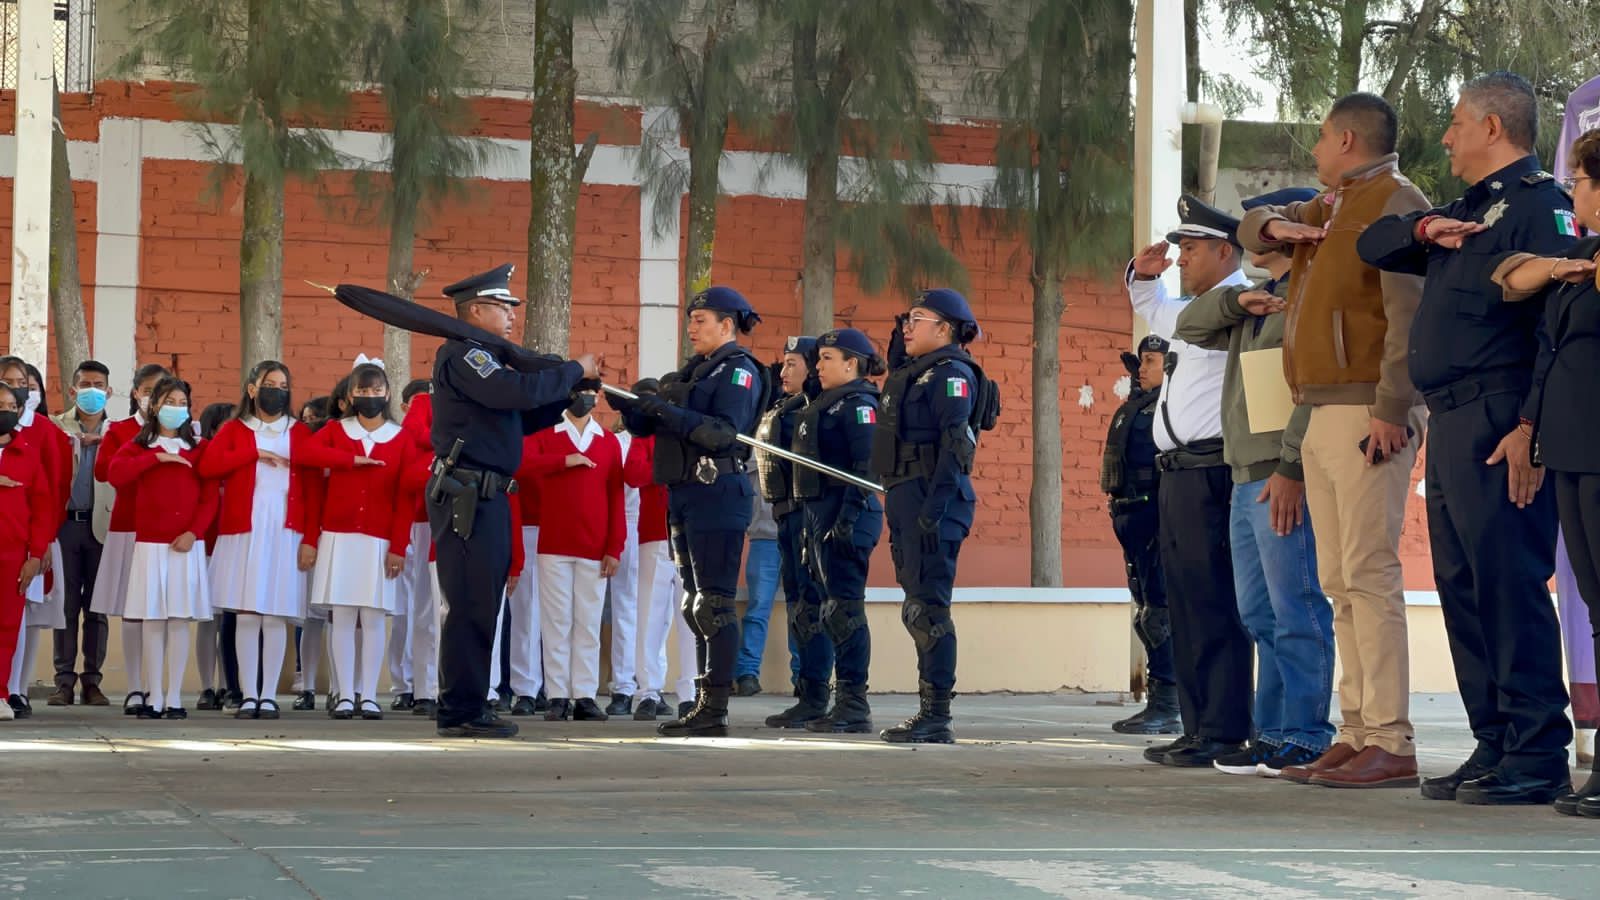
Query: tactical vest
(808, 482)
(677, 458)
(892, 456)
(772, 473)
(1119, 475)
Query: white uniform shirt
(1192, 395)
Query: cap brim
(1197, 231)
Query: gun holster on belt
(458, 487)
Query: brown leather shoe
(1373, 767)
(93, 696)
(1335, 756)
(61, 696)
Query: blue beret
(850, 341)
(1202, 220)
(802, 345)
(723, 300)
(1281, 197)
(494, 284)
(1152, 344)
(948, 304)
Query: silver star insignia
(1496, 185)
(926, 377)
(1183, 206)
(1494, 213)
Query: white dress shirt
(1191, 397)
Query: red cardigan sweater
(116, 434)
(376, 501)
(231, 459)
(639, 472)
(528, 485)
(171, 499)
(580, 509)
(24, 511)
(53, 449)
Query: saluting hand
(6, 482)
(1573, 271)
(1152, 260)
(1261, 303)
(1523, 479)
(271, 459)
(173, 458)
(578, 460)
(368, 461)
(1451, 233)
(1284, 231)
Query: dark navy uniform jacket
(844, 441)
(732, 392)
(1463, 329)
(477, 398)
(940, 401)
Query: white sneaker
(6, 713)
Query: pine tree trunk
(1352, 33)
(819, 243)
(708, 133)
(66, 288)
(548, 325)
(260, 267)
(1044, 493)
(402, 282)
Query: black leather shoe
(746, 686)
(1157, 753)
(1202, 752)
(1503, 788)
(648, 709)
(523, 706)
(343, 709)
(175, 712)
(1443, 787)
(1589, 807)
(485, 727)
(305, 700)
(403, 701)
(541, 703)
(208, 700)
(371, 711)
(1567, 804)
(130, 703)
(586, 710)
(148, 712)
(560, 710)
(268, 709)
(20, 706)
(621, 705)
(1159, 716)
(428, 709)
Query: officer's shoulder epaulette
(1538, 177)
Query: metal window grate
(73, 39)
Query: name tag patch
(482, 362)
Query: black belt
(1501, 381)
(489, 484)
(80, 515)
(1198, 455)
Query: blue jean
(761, 585)
(1282, 606)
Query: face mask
(21, 393)
(144, 404)
(91, 401)
(581, 405)
(272, 401)
(370, 407)
(33, 402)
(9, 420)
(173, 417)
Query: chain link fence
(72, 38)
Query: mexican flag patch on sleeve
(866, 415)
(1566, 223)
(957, 387)
(742, 378)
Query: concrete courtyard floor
(1040, 799)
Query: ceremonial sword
(763, 446)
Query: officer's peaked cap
(1281, 197)
(851, 341)
(1202, 220)
(949, 304)
(494, 284)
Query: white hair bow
(362, 360)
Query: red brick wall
(83, 196)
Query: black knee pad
(1153, 625)
(926, 623)
(842, 618)
(713, 612)
(805, 622)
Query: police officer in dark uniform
(923, 451)
(481, 411)
(842, 524)
(800, 590)
(1128, 474)
(1491, 529)
(696, 418)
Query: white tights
(261, 641)
(22, 661)
(166, 655)
(358, 678)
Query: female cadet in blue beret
(923, 451)
(715, 397)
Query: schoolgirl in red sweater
(25, 529)
(167, 583)
(111, 580)
(267, 463)
(362, 531)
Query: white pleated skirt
(349, 574)
(111, 580)
(47, 608)
(259, 571)
(166, 584)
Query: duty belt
(489, 484)
(707, 469)
(1198, 455)
(1502, 381)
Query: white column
(1160, 90)
(116, 252)
(658, 269)
(30, 207)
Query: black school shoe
(20, 706)
(427, 709)
(586, 710)
(1505, 788)
(403, 701)
(523, 707)
(148, 712)
(209, 700)
(130, 705)
(621, 705)
(560, 710)
(175, 712)
(487, 725)
(648, 709)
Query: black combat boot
(708, 718)
(931, 724)
(850, 713)
(812, 704)
(1567, 804)
(1159, 716)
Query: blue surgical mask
(173, 417)
(91, 401)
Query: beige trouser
(1357, 511)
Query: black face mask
(581, 405)
(370, 407)
(21, 393)
(272, 401)
(9, 420)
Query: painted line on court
(700, 848)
